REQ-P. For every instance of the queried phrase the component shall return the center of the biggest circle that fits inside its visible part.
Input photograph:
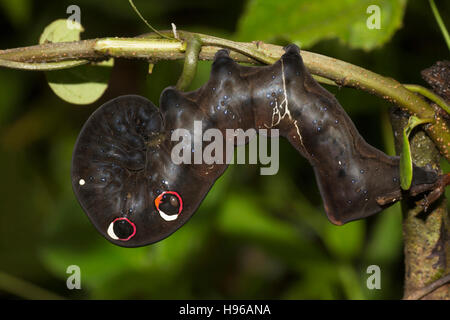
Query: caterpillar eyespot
(121, 229)
(123, 152)
(169, 205)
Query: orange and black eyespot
(121, 229)
(169, 205)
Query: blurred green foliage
(253, 236)
(320, 20)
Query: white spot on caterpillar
(168, 217)
(111, 231)
(81, 182)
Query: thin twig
(145, 21)
(440, 23)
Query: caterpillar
(134, 194)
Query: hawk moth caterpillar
(126, 182)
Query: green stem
(441, 24)
(194, 45)
(48, 66)
(137, 47)
(54, 52)
(430, 95)
(324, 80)
(244, 48)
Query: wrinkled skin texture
(122, 163)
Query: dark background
(253, 237)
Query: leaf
(79, 85)
(307, 22)
(406, 165)
(58, 31)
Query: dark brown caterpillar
(125, 180)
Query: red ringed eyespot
(169, 205)
(121, 229)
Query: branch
(151, 47)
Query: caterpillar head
(124, 178)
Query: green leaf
(59, 31)
(406, 165)
(79, 85)
(307, 22)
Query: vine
(152, 47)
